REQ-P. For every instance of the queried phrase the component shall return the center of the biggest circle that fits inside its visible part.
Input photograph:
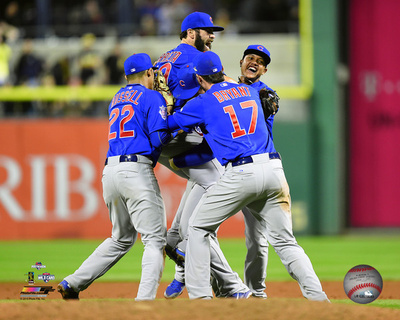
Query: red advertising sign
(50, 181)
(374, 113)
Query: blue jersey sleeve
(159, 138)
(190, 115)
(199, 155)
(157, 112)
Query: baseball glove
(171, 253)
(243, 79)
(160, 85)
(270, 102)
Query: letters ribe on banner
(50, 181)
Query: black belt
(128, 158)
(249, 159)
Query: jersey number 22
(128, 110)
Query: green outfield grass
(386, 303)
(332, 257)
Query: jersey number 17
(238, 129)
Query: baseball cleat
(174, 289)
(259, 295)
(241, 295)
(66, 291)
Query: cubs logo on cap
(187, 85)
(137, 62)
(260, 51)
(199, 20)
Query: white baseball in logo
(363, 284)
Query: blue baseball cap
(187, 85)
(137, 62)
(199, 20)
(207, 63)
(260, 51)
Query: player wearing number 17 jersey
(231, 118)
(218, 121)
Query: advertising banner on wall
(50, 181)
(374, 113)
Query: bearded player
(197, 35)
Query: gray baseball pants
(132, 195)
(262, 187)
(200, 178)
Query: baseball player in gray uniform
(137, 131)
(253, 177)
(253, 65)
(197, 35)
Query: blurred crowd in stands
(23, 22)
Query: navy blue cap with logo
(187, 84)
(207, 63)
(259, 50)
(199, 20)
(137, 62)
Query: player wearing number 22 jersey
(137, 131)
(136, 113)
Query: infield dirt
(284, 302)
